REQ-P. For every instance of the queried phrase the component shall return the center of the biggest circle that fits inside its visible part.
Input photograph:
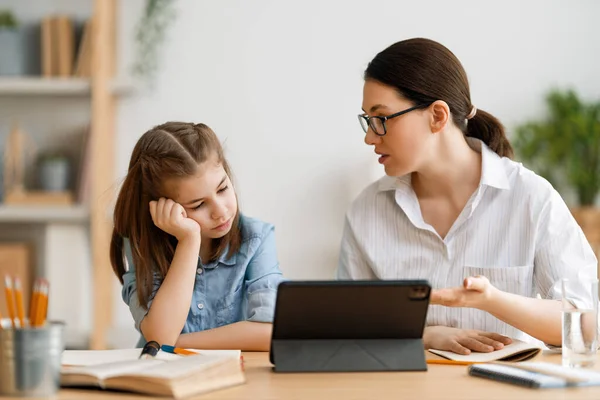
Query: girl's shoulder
(253, 228)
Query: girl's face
(404, 147)
(207, 197)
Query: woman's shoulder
(253, 228)
(526, 181)
(369, 198)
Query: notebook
(536, 374)
(516, 351)
(167, 375)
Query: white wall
(281, 83)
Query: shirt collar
(493, 173)
(223, 259)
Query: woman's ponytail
(487, 128)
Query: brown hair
(170, 150)
(424, 71)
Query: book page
(516, 347)
(97, 357)
(185, 366)
(108, 370)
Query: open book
(166, 375)
(516, 351)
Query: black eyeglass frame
(383, 120)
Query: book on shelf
(62, 55)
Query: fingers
(444, 297)
(497, 337)
(497, 345)
(477, 283)
(474, 344)
(457, 348)
(160, 210)
(153, 205)
(177, 211)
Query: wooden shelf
(36, 86)
(43, 214)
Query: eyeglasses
(377, 124)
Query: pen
(150, 350)
(8, 291)
(177, 350)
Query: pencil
(42, 304)
(177, 350)
(450, 362)
(1, 327)
(10, 304)
(34, 302)
(45, 297)
(19, 301)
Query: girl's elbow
(157, 332)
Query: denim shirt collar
(223, 259)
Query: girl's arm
(261, 279)
(170, 306)
(244, 335)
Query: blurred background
(280, 82)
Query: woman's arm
(561, 251)
(536, 317)
(539, 318)
(244, 335)
(352, 264)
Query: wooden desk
(445, 382)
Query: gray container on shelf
(54, 174)
(12, 52)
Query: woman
(492, 237)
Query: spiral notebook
(539, 375)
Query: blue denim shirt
(242, 287)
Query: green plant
(150, 34)
(565, 147)
(7, 19)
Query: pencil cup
(30, 360)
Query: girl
(456, 210)
(195, 272)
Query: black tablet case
(344, 326)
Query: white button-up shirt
(515, 230)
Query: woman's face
(403, 148)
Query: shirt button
(199, 271)
(200, 306)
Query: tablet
(357, 312)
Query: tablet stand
(348, 355)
